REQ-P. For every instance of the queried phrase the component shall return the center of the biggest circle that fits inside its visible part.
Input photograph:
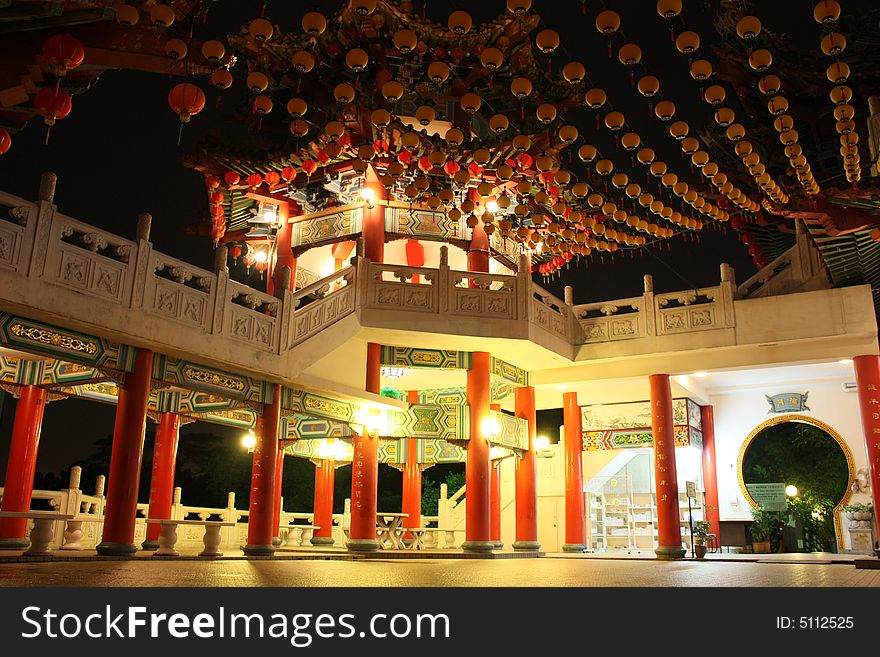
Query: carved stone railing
(252, 316)
(397, 287)
(799, 269)
(492, 296)
(692, 310)
(550, 313)
(605, 321)
(16, 232)
(177, 290)
(322, 303)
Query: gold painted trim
(794, 417)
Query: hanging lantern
(491, 58)
(127, 15)
(499, 123)
(568, 134)
(438, 72)
(760, 59)
(777, 105)
(547, 41)
(687, 42)
(587, 153)
(573, 72)
(260, 30)
(519, 7)
(630, 141)
(380, 118)
(392, 91)
(833, 44)
(595, 98)
(299, 128)
(657, 169)
(162, 15)
(63, 53)
(186, 100)
(604, 167)
(254, 180)
(744, 148)
(678, 130)
(257, 82)
(213, 51)
(357, 59)
(363, 7)
(297, 107)
(619, 180)
(470, 102)
(665, 110)
(838, 72)
(5, 141)
(607, 22)
(405, 41)
(648, 86)
(841, 94)
(313, 23)
(669, 9)
(645, 156)
(629, 54)
(701, 69)
(844, 112)
(826, 12)
(334, 130)
(343, 93)
(546, 113)
(262, 105)
(735, 132)
(690, 145)
(176, 48)
(460, 23)
(302, 61)
(714, 95)
(614, 121)
(521, 88)
(748, 27)
(769, 85)
(724, 116)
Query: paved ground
(551, 571)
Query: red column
(478, 251)
(665, 477)
(365, 469)
(261, 511)
(868, 382)
(495, 495)
(162, 477)
(412, 478)
(125, 458)
(325, 475)
(373, 231)
(478, 535)
(526, 475)
(276, 508)
(574, 476)
(21, 465)
(710, 474)
(283, 250)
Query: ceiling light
(700, 375)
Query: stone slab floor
(548, 571)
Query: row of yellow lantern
(827, 13)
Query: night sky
(116, 156)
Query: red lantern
(309, 166)
(272, 178)
(322, 156)
(380, 146)
(52, 103)
(405, 158)
(425, 164)
(524, 161)
(235, 252)
(217, 198)
(475, 169)
(451, 167)
(186, 100)
(63, 53)
(5, 141)
(231, 178)
(254, 180)
(217, 232)
(344, 141)
(212, 182)
(288, 173)
(216, 211)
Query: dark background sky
(116, 155)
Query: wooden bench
(301, 533)
(168, 536)
(43, 531)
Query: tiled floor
(552, 570)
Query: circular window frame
(805, 419)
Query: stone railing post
(229, 515)
(524, 287)
(139, 264)
(727, 295)
(444, 282)
(176, 507)
(73, 506)
(42, 228)
(346, 513)
(443, 507)
(649, 310)
(284, 292)
(221, 291)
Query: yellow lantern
(657, 169)
(405, 41)
(163, 16)
(392, 91)
(257, 82)
(546, 113)
(262, 105)
(363, 7)
(299, 128)
(587, 153)
(777, 105)
(491, 58)
(504, 172)
(567, 134)
(499, 123)
(743, 148)
(826, 12)
(438, 72)
(521, 88)
(748, 27)
(410, 140)
(344, 93)
(481, 156)
(633, 190)
(648, 86)
(614, 121)
(460, 23)
(357, 59)
(313, 23)
(470, 102)
(629, 54)
(604, 167)
(619, 180)
(595, 98)
(714, 95)
(334, 130)
(519, 7)
(302, 61)
(544, 163)
(579, 190)
(630, 141)
(213, 51)
(783, 123)
(789, 137)
(841, 94)
(380, 117)
(607, 22)
(646, 199)
(687, 42)
(678, 130)
(844, 112)
(127, 15)
(645, 156)
(690, 145)
(833, 44)
(547, 41)
(760, 59)
(669, 9)
(710, 170)
(366, 152)
(425, 114)
(701, 69)
(838, 72)
(699, 159)
(297, 107)
(665, 110)
(221, 78)
(260, 30)
(573, 72)
(594, 201)
(735, 132)
(668, 179)
(724, 116)
(454, 137)
(521, 143)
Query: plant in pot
(760, 530)
(701, 529)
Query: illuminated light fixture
(261, 256)
(368, 196)
(845, 361)
(393, 372)
(700, 375)
(492, 207)
(370, 420)
(331, 450)
(791, 490)
(249, 440)
(490, 428)
(561, 387)
(541, 443)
